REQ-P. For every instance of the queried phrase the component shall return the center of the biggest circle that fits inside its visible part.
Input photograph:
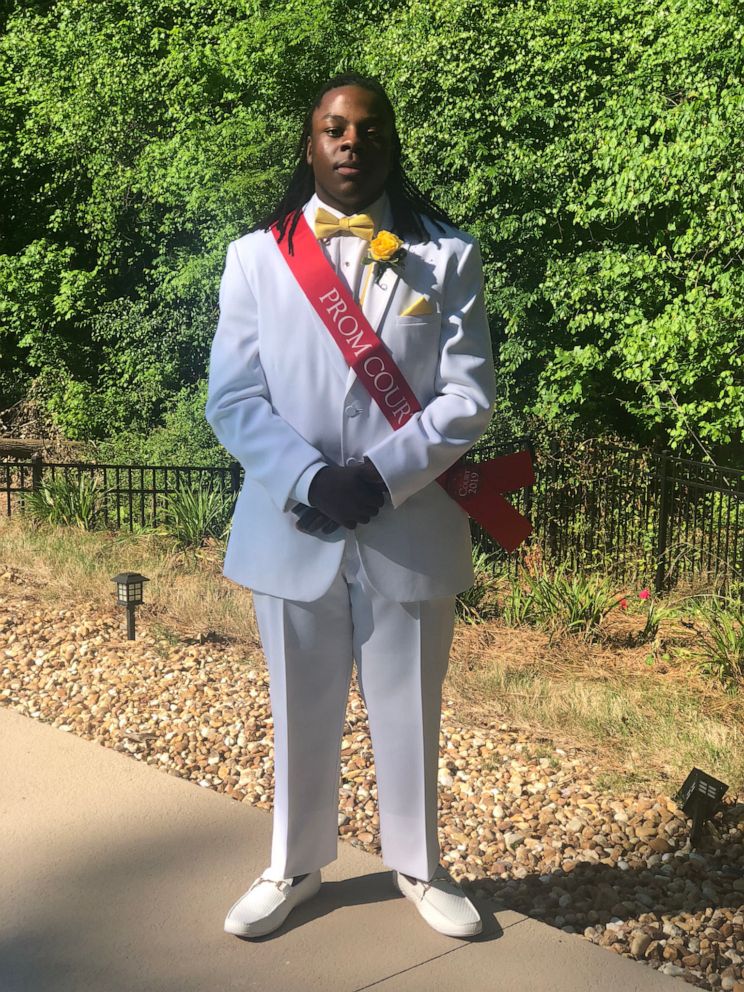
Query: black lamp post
(699, 797)
(129, 594)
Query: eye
(335, 132)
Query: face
(349, 148)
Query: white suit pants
(401, 651)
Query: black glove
(349, 494)
(310, 520)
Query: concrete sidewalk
(116, 877)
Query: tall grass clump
(476, 604)
(719, 626)
(560, 603)
(190, 515)
(62, 501)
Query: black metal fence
(643, 517)
(130, 496)
(701, 521)
(640, 516)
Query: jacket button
(352, 411)
(354, 461)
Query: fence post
(551, 500)
(235, 478)
(661, 546)
(37, 466)
(526, 439)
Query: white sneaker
(442, 903)
(267, 904)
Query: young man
(351, 547)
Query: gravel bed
(531, 833)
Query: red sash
(477, 487)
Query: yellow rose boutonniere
(386, 251)
(385, 246)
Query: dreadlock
(408, 203)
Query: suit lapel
(376, 306)
(303, 307)
(332, 350)
(377, 301)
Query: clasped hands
(341, 496)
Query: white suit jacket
(283, 402)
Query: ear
(309, 150)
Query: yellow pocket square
(419, 308)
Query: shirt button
(352, 411)
(354, 461)
(347, 264)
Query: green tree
(593, 147)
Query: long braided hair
(408, 203)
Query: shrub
(183, 438)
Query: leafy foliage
(183, 438)
(560, 603)
(592, 146)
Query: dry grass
(187, 595)
(642, 714)
(643, 721)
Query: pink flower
(623, 604)
(644, 594)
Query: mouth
(349, 169)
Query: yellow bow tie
(360, 225)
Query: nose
(352, 139)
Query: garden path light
(699, 798)
(129, 593)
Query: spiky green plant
(63, 501)
(192, 514)
(572, 604)
(519, 607)
(475, 604)
(719, 625)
